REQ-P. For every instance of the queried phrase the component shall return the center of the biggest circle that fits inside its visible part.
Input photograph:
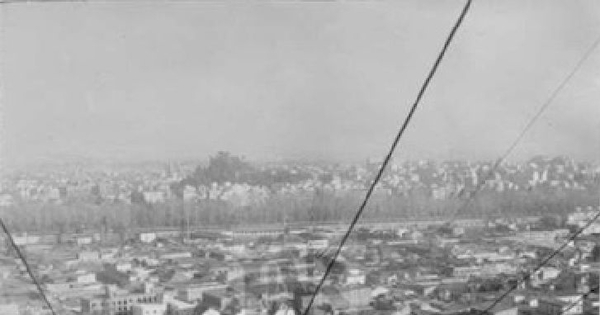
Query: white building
(88, 256)
(84, 240)
(123, 266)
(149, 309)
(355, 277)
(147, 237)
(176, 307)
(85, 278)
(154, 196)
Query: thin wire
(542, 264)
(27, 267)
(530, 124)
(580, 299)
(391, 150)
(513, 145)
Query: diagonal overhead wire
(579, 300)
(542, 263)
(391, 150)
(544, 106)
(527, 127)
(27, 266)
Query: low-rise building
(561, 305)
(176, 307)
(147, 237)
(118, 302)
(149, 309)
(194, 293)
(175, 255)
(355, 277)
(85, 278)
(318, 243)
(88, 256)
(84, 240)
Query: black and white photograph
(299, 157)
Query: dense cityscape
(211, 157)
(230, 236)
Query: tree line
(320, 206)
(84, 214)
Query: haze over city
(233, 158)
(295, 80)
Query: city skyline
(328, 81)
(233, 158)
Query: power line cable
(580, 299)
(514, 144)
(27, 266)
(527, 127)
(391, 150)
(542, 264)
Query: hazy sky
(153, 80)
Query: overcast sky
(155, 80)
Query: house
(357, 297)
(175, 255)
(250, 271)
(109, 254)
(466, 271)
(502, 308)
(252, 233)
(139, 274)
(122, 266)
(224, 300)
(546, 273)
(222, 272)
(181, 276)
(317, 243)
(451, 291)
(494, 269)
(402, 232)
(542, 235)
(119, 302)
(355, 277)
(149, 309)
(147, 237)
(85, 278)
(148, 262)
(529, 299)
(84, 240)
(482, 254)
(561, 305)
(58, 287)
(153, 197)
(194, 293)
(235, 248)
(88, 256)
(176, 307)
(580, 217)
(25, 239)
(416, 235)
